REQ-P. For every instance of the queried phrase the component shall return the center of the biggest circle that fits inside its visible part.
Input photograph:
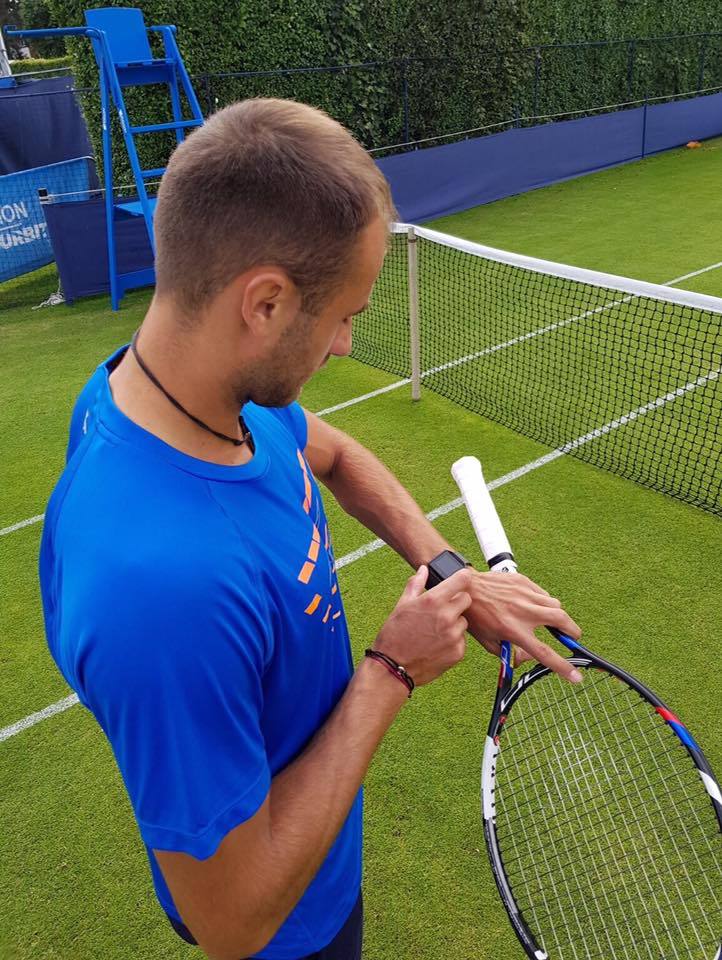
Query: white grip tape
(487, 526)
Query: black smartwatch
(443, 566)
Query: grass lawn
(639, 570)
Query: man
(187, 572)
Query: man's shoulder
(84, 409)
(112, 493)
(120, 514)
(291, 420)
(122, 506)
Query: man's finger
(491, 646)
(556, 617)
(458, 603)
(416, 584)
(531, 585)
(549, 601)
(459, 582)
(520, 656)
(544, 654)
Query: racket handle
(492, 539)
(489, 531)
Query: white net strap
(594, 278)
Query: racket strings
(625, 890)
(611, 847)
(661, 751)
(603, 937)
(659, 875)
(650, 942)
(635, 766)
(620, 693)
(644, 807)
(607, 838)
(682, 786)
(691, 808)
(672, 793)
(649, 886)
(550, 724)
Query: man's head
(273, 215)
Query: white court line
(374, 545)
(445, 366)
(606, 428)
(21, 524)
(30, 721)
(695, 273)
(364, 396)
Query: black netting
(621, 380)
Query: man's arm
(368, 491)
(235, 901)
(504, 606)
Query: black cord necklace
(246, 433)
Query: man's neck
(180, 366)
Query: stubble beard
(278, 380)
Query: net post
(414, 315)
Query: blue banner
(671, 124)
(24, 241)
(41, 123)
(438, 181)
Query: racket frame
(508, 693)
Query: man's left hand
(510, 606)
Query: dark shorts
(346, 945)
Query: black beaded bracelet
(394, 668)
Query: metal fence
(393, 105)
(549, 81)
(619, 71)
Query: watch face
(447, 564)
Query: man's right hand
(425, 633)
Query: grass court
(638, 570)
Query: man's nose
(341, 346)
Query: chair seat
(164, 62)
(135, 208)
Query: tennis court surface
(547, 380)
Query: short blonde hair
(264, 181)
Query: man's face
(309, 341)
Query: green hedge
(569, 79)
(473, 61)
(215, 36)
(579, 78)
(560, 21)
(31, 66)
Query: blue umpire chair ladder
(122, 50)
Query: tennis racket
(602, 818)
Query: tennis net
(617, 372)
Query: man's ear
(268, 301)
